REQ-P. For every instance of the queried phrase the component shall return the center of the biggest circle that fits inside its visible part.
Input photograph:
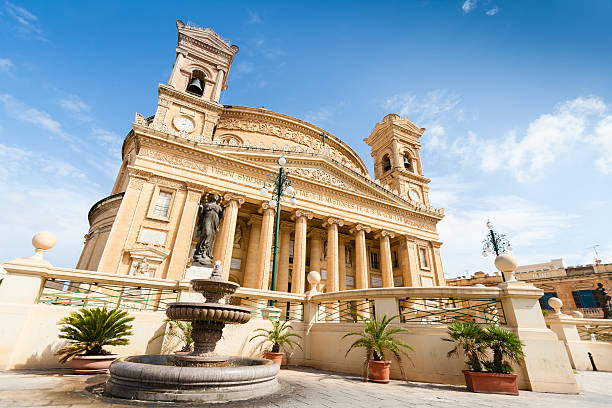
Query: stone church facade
(359, 231)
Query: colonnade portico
(339, 249)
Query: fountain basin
(211, 312)
(154, 378)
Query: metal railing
(445, 310)
(290, 311)
(345, 311)
(92, 294)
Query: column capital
(384, 234)
(265, 206)
(333, 221)
(228, 197)
(301, 213)
(360, 227)
(255, 219)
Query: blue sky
(516, 97)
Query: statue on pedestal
(210, 215)
(605, 301)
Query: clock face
(183, 123)
(414, 196)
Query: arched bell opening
(386, 162)
(196, 83)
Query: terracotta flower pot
(92, 364)
(276, 357)
(491, 383)
(378, 371)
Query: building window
(386, 162)
(395, 259)
(163, 204)
(348, 255)
(423, 257)
(374, 262)
(585, 298)
(544, 300)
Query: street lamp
(495, 242)
(281, 185)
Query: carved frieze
(173, 159)
(321, 176)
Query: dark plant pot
(92, 364)
(276, 357)
(378, 371)
(491, 383)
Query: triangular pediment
(206, 36)
(148, 252)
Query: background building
(574, 285)
(358, 231)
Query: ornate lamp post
(281, 185)
(495, 242)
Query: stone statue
(605, 301)
(210, 215)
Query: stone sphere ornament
(44, 241)
(314, 278)
(556, 304)
(506, 264)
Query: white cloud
(253, 17)
(431, 106)
(545, 140)
(469, 5)
(527, 225)
(37, 117)
(603, 143)
(493, 11)
(25, 22)
(323, 113)
(42, 193)
(73, 103)
(6, 65)
(243, 67)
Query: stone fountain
(202, 375)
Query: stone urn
(82, 364)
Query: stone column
(218, 86)
(224, 240)
(437, 263)
(250, 268)
(298, 276)
(265, 246)
(112, 254)
(385, 258)
(282, 279)
(409, 262)
(341, 263)
(315, 250)
(184, 235)
(332, 225)
(361, 256)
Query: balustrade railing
(445, 310)
(345, 311)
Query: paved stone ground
(302, 387)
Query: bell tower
(188, 104)
(397, 163)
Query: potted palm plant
(280, 336)
(88, 331)
(474, 341)
(178, 330)
(376, 338)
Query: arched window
(408, 163)
(196, 83)
(386, 163)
